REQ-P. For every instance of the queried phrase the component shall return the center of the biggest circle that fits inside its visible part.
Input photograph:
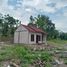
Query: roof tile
(34, 29)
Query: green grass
(24, 54)
(58, 42)
(65, 61)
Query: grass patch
(58, 42)
(65, 61)
(24, 54)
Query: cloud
(5, 8)
(61, 22)
(22, 9)
(65, 12)
(31, 2)
(50, 6)
(60, 3)
(39, 5)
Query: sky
(23, 9)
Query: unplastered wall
(21, 35)
(34, 42)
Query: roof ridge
(33, 29)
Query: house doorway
(37, 38)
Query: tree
(8, 25)
(1, 25)
(43, 22)
(31, 19)
(63, 36)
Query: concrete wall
(44, 39)
(16, 37)
(34, 42)
(21, 35)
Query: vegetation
(65, 61)
(8, 25)
(43, 22)
(57, 42)
(25, 55)
(28, 56)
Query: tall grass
(24, 54)
(57, 42)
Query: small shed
(29, 35)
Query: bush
(24, 54)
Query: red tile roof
(34, 29)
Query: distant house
(29, 35)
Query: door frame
(38, 38)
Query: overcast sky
(22, 9)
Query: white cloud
(25, 8)
(28, 10)
(39, 5)
(60, 3)
(65, 13)
(31, 2)
(61, 24)
(43, 5)
(8, 9)
(45, 8)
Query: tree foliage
(63, 36)
(43, 22)
(8, 24)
